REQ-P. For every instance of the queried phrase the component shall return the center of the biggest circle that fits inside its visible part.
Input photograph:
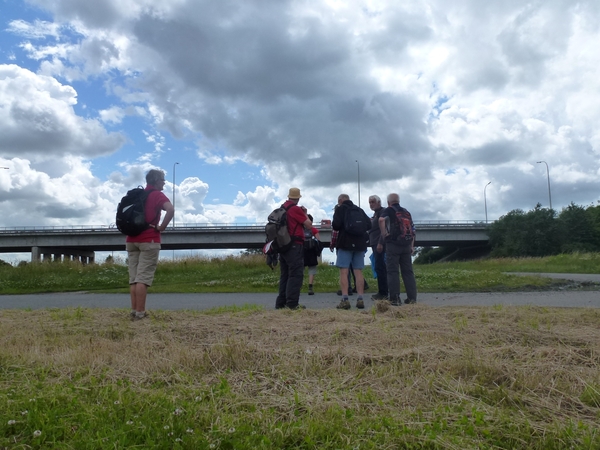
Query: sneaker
(344, 304)
(137, 317)
(379, 296)
(310, 291)
(360, 304)
(409, 301)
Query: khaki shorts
(312, 270)
(143, 258)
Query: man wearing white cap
(292, 260)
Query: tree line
(539, 232)
(543, 232)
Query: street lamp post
(358, 175)
(485, 200)
(174, 192)
(548, 173)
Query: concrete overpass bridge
(81, 242)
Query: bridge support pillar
(47, 253)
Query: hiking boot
(297, 307)
(379, 296)
(395, 301)
(360, 304)
(409, 301)
(310, 291)
(344, 304)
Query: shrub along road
(559, 298)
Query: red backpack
(403, 228)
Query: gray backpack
(277, 231)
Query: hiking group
(390, 233)
(291, 239)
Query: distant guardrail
(220, 226)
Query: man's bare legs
(344, 282)
(138, 292)
(360, 282)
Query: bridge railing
(215, 226)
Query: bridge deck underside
(206, 239)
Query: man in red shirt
(292, 261)
(143, 249)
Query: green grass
(564, 263)
(420, 378)
(250, 274)
(247, 378)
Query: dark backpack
(131, 213)
(402, 230)
(277, 231)
(311, 243)
(272, 259)
(356, 222)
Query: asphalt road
(560, 298)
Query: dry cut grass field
(409, 377)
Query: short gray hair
(343, 198)
(393, 198)
(153, 176)
(376, 198)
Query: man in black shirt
(398, 234)
(351, 248)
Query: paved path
(320, 300)
(579, 277)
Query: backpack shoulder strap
(148, 192)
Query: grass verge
(410, 377)
(250, 274)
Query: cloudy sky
(428, 98)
